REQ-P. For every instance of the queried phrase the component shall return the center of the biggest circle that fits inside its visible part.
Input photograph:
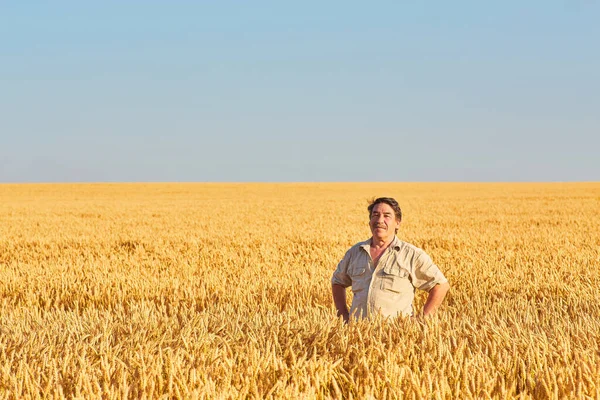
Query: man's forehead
(383, 207)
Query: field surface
(223, 291)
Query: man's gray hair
(390, 201)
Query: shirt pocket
(394, 279)
(360, 278)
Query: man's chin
(381, 235)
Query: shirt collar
(394, 245)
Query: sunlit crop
(223, 291)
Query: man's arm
(339, 299)
(435, 298)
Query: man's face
(383, 221)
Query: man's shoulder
(363, 243)
(409, 248)
(360, 245)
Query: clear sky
(299, 91)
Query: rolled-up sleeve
(425, 273)
(340, 275)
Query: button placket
(375, 279)
(369, 293)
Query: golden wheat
(223, 291)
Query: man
(385, 271)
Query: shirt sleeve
(340, 275)
(425, 273)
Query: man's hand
(435, 298)
(339, 299)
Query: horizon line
(278, 182)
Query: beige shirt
(388, 289)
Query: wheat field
(223, 291)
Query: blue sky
(310, 91)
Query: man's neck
(381, 243)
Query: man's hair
(390, 202)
